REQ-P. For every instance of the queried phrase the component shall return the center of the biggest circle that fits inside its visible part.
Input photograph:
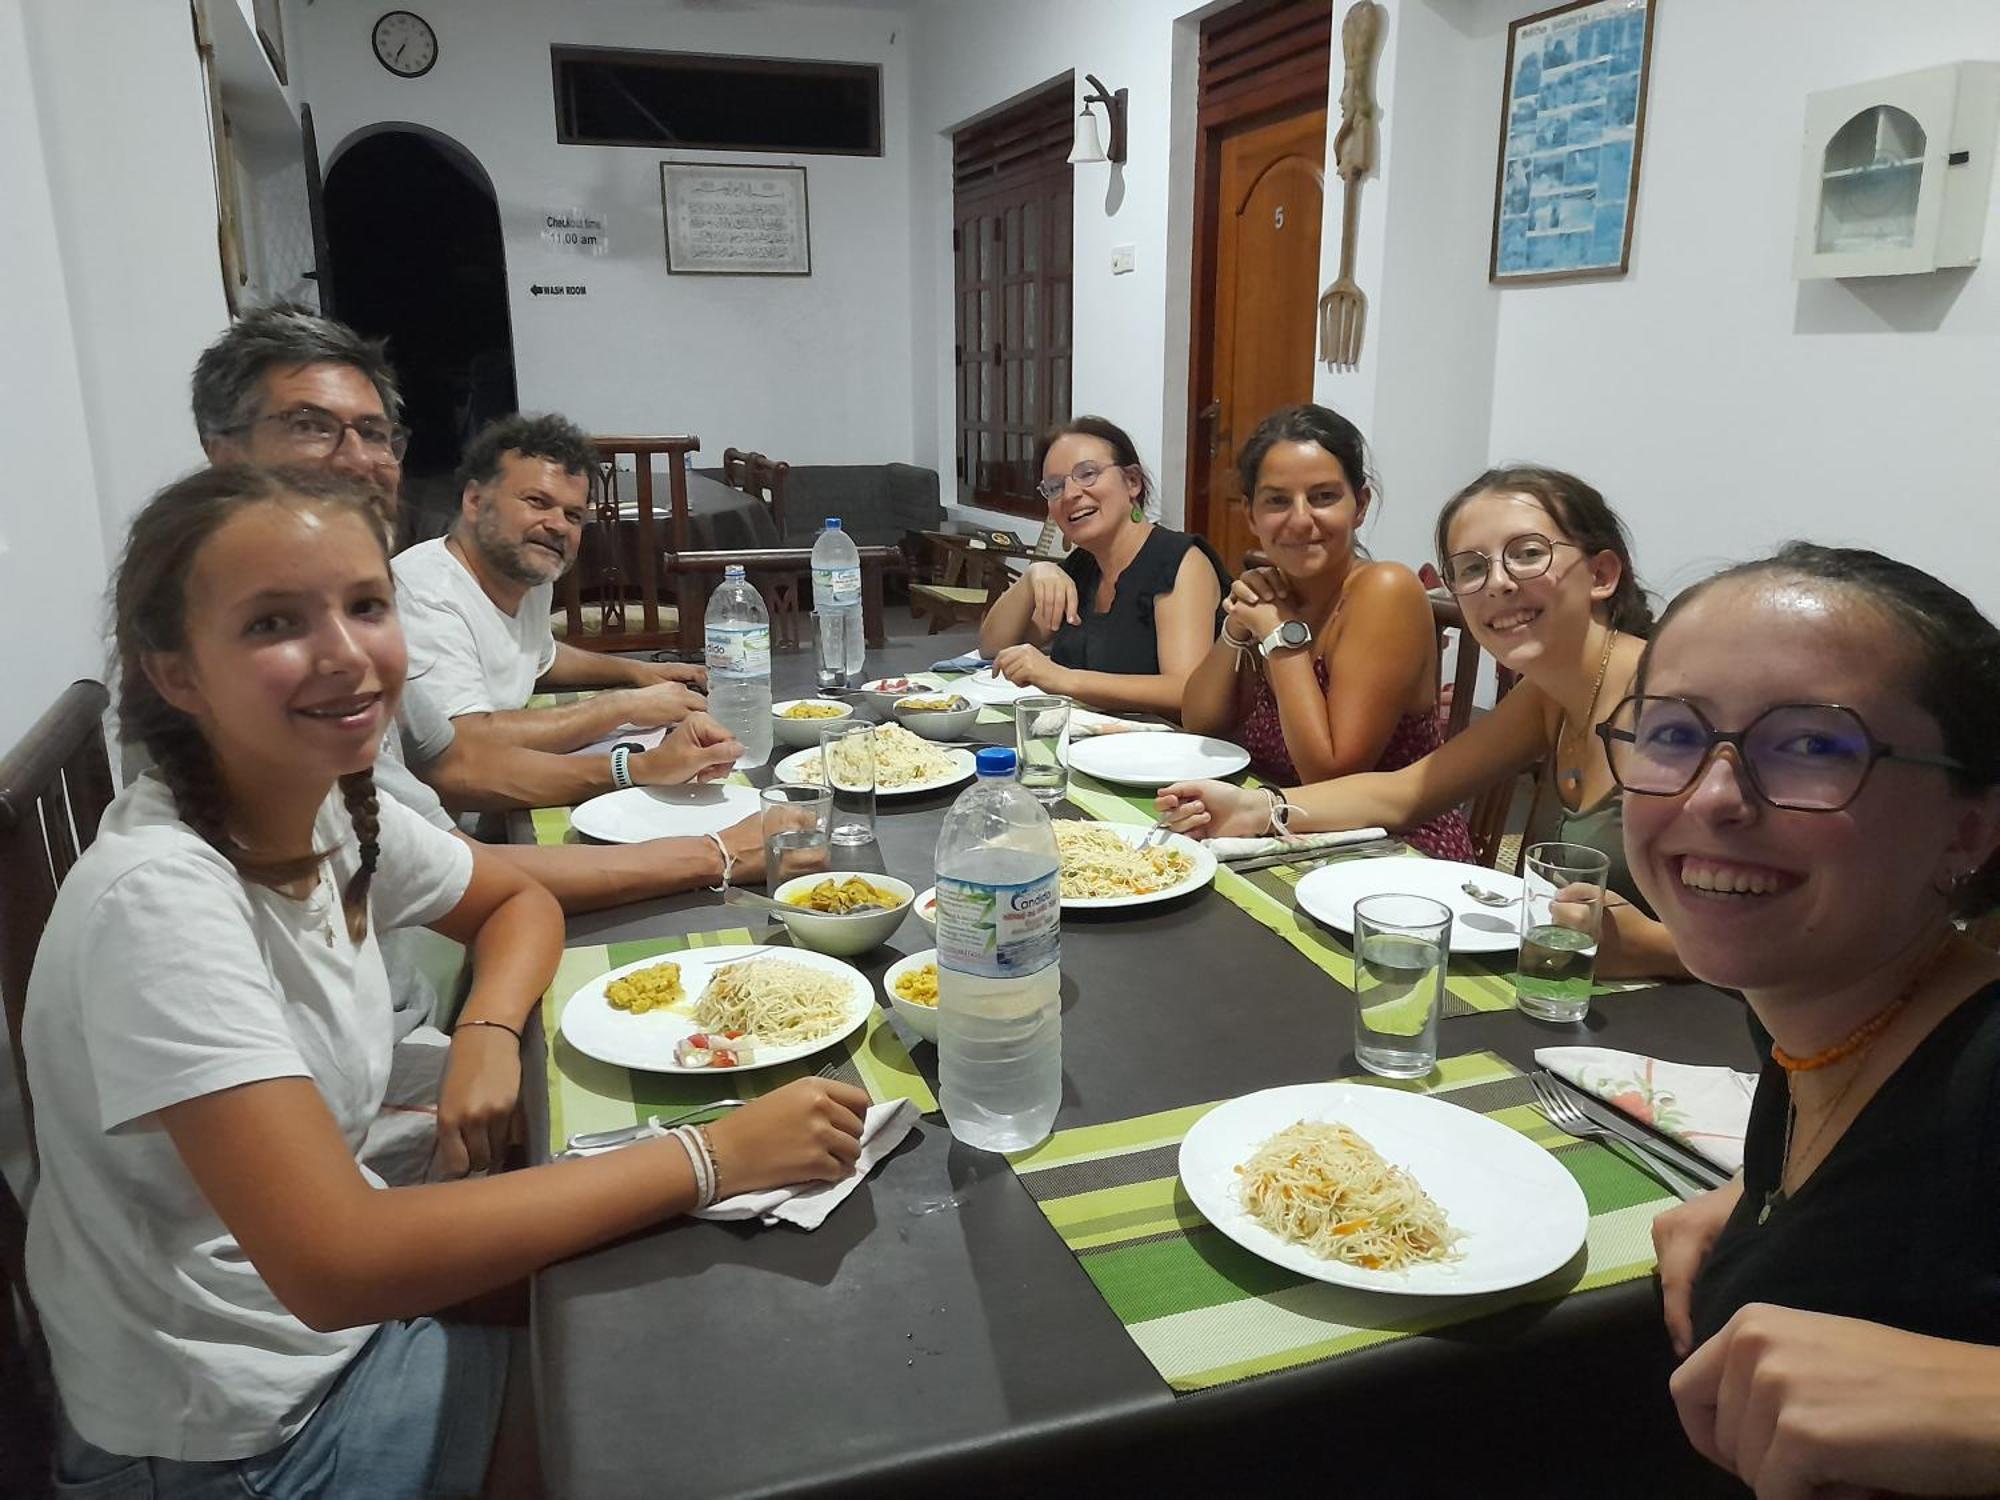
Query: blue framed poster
(1572, 118)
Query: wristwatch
(1289, 636)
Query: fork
(1561, 1112)
(1343, 307)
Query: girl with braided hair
(233, 1303)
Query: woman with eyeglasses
(1121, 622)
(1327, 662)
(1811, 762)
(1543, 573)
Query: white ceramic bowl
(927, 908)
(843, 936)
(936, 724)
(922, 1018)
(883, 698)
(803, 734)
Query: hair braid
(358, 791)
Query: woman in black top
(1808, 818)
(1122, 620)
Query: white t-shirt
(412, 954)
(477, 658)
(163, 976)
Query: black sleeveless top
(1122, 639)
(1900, 1224)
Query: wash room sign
(574, 231)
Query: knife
(1687, 1162)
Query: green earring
(1138, 511)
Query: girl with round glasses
(1121, 622)
(1326, 663)
(1543, 574)
(1809, 817)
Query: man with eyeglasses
(283, 385)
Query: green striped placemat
(1207, 1312)
(1472, 986)
(586, 1094)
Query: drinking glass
(1041, 733)
(829, 634)
(1559, 937)
(797, 822)
(1402, 946)
(847, 760)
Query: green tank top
(1603, 827)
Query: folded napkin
(1231, 850)
(1705, 1109)
(808, 1205)
(972, 661)
(1087, 722)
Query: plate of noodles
(1107, 865)
(1371, 1187)
(1151, 761)
(790, 1002)
(905, 764)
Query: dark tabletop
(935, 1333)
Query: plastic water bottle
(999, 939)
(836, 570)
(737, 644)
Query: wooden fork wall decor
(1343, 308)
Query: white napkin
(808, 1206)
(1230, 850)
(1705, 1109)
(1087, 722)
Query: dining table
(936, 1335)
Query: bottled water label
(836, 586)
(999, 931)
(738, 651)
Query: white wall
(1724, 407)
(812, 369)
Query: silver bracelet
(728, 861)
(621, 767)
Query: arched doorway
(413, 232)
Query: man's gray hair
(229, 377)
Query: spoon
(1485, 897)
(737, 896)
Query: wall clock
(405, 44)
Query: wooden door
(1259, 192)
(1266, 293)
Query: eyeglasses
(318, 433)
(1085, 474)
(1804, 757)
(1525, 556)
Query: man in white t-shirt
(476, 604)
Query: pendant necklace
(1856, 1044)
(1572, 779)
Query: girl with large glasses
(1812, 769)
(1543, 574)
(1326, 663)
(1122, 620)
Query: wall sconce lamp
(1089, 146)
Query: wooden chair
(1486, 815)
(54, 787)
(966, 581)
(617, 576)
(784, 593)
(695, 575)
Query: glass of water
(1041, 733)
(1559, 937)
(1402, 946)
(847, 761)
(797, 823)
(829, 634)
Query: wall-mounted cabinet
(1897, 174)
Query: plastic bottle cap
(833, 523)
(732, 573)
(996, 760)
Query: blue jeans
(415, 1414)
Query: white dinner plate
(793, 768)
(1330, 892)
(1520, 1212)
(1151, 761)
(1202, 873)
(647, 1041)
(663, 812)
(990, 689)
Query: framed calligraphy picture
(735, 221)
(1572, 119)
